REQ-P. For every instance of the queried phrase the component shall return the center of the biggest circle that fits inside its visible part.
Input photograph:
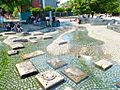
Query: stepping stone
(49, 79)
(12, 52)
(56, 63)
(75, 74)
(32, 37)
(47, 37)
(37, 33)
(33, 54)
(26, 33)
(33, 41)
(118, 84)
(26, 69)
(9, 33)
(103, 64)
(20, 40)
(1, 35)
(68, 88)
(17, 46)
(61, 42)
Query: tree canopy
(9, 5)
(97, 6)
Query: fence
(62, 14)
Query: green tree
(68, 9)
(98, 6)
(11, 4)
(15, 12)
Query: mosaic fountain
(70, 71)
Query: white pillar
(50, 16)
(43, 1)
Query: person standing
(1, 19)
(18, 27)
(8, 27)
(92, 13)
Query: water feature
(64, 24)
(114, 27)
(81, 44)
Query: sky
(62, 1)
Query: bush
(53, 10)
(59, 9)
(35, 11)
(48, 8)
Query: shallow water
(31, 27)
(97, 80)
(64, 24)
(116, 28)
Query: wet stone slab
(118, 84)
(20, 40)
(49, 79)
(12, 52)
(47, 37)
(37, 33)
(61, 42)
(32, 37)
(26, 33)
(9, 33)
(1, 35)
(33, 41)
(103, 64)
(32, 54)
(26, 69)
(56, 63)
(75, 74)
(17, 46)
(68, 88)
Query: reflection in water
(67, 38)
(88, 60)
(81, 43)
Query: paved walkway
(111, 39)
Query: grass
(4, 60)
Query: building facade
(44, 3)
(52, 3)
(35, 3)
